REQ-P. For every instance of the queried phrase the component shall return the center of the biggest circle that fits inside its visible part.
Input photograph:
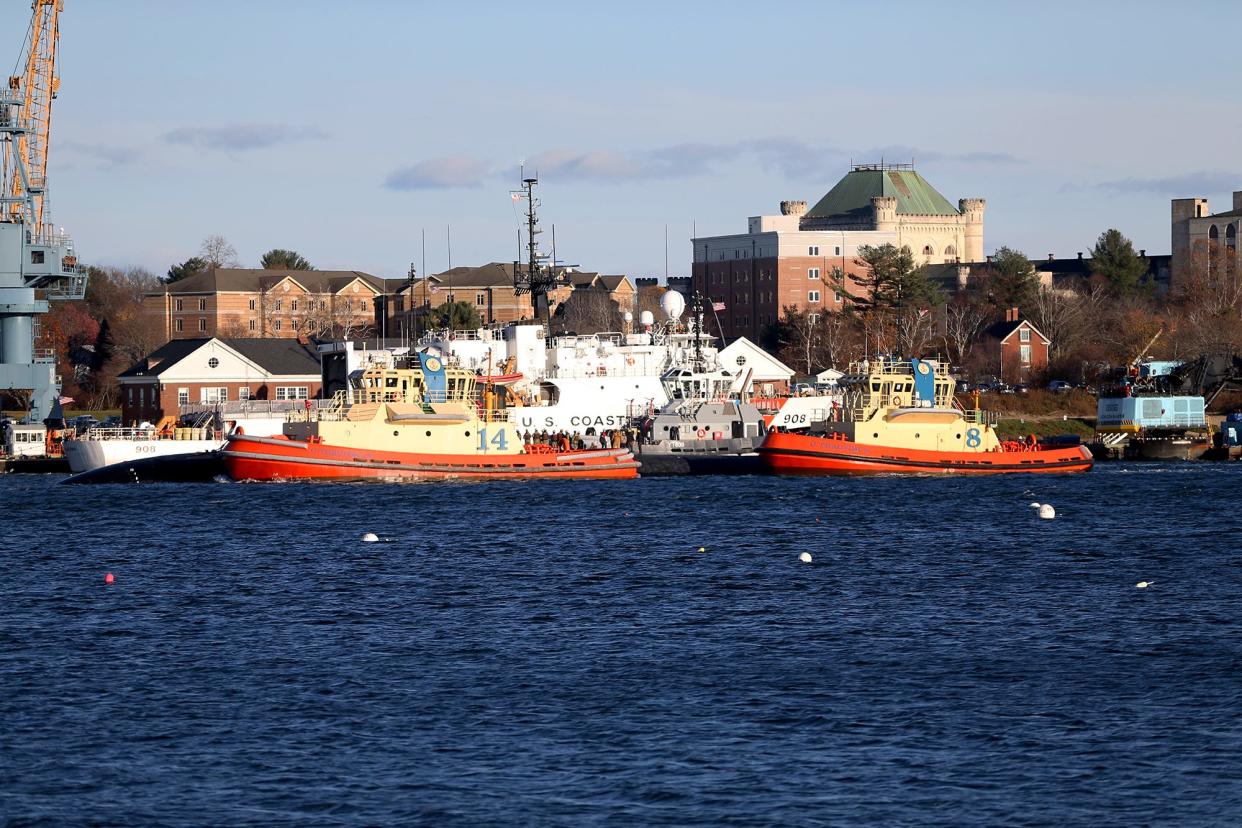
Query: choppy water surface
(531, 654)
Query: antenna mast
(539, 277)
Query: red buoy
(109, 578)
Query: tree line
(1096, 323)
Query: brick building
(788, 259)
(1198, 233)
(237, 303)
(1017, 348)
(490, 289)
(214, 370)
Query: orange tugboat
(410, 423)
(900, 417)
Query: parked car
(111, 422)
(84, 422)
(1021, 388)
(1059, 386)
(802, 389)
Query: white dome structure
(673, 304)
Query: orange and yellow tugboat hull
(279, 458)
(793, 453)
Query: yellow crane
(33, 91)
(36, 262)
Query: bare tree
(216, 251)
(966, 318)
(589, 310)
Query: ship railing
(44, 355)
(98, 433)
(234, 408)
(980, 417)
(556, 372)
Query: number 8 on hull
(901, 417)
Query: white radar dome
(672, 303)
(646, 318)
(629, 317)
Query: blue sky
(344, 130)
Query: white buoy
(1143, 584)
(1047, 512)
(1034, 505)
(370, 537)
(805, 557)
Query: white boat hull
(85, 455)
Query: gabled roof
(614, 281)
(253, 280)
(163, 358)
(767, 368)
(851, 198)
(1003, 330)
(276, 356)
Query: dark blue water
(528, 654)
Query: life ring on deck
(701, 433)
(629, 360)
(896, 401)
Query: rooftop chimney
(1080, 254)
(793, 208)
(1142, 254)
(1052, 256)
(989, 259)
(1237, 200)
(1011, 315)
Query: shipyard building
(787, 259)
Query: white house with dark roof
(211, 371)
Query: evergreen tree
(892, 281)
(454, 315)
(1011, 281)
(280, 259)
(1113, 259)
(190, 267)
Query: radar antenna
(536, 276)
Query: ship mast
(536, 277)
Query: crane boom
(36, 86)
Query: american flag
(65, 400)
(718, 306)
(517, 196)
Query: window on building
(950, 251)
(202, 324)
(177, 304)
(211, 396)
(252, 304)
(292, 392)
(1024, 354)
(812, 318)
(243, 393)
(293, 304)
(131, 395)
(276, 325)
(252, 324)
(279, 303)
(480, 299)
(928, 251)
(183, 396)
(813, 250)
(202, 304)
(812, 296)
(836, 251)
(362, 305)
(1024, 335)
(812, 273)
(179, 325)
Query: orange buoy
(109, 578)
